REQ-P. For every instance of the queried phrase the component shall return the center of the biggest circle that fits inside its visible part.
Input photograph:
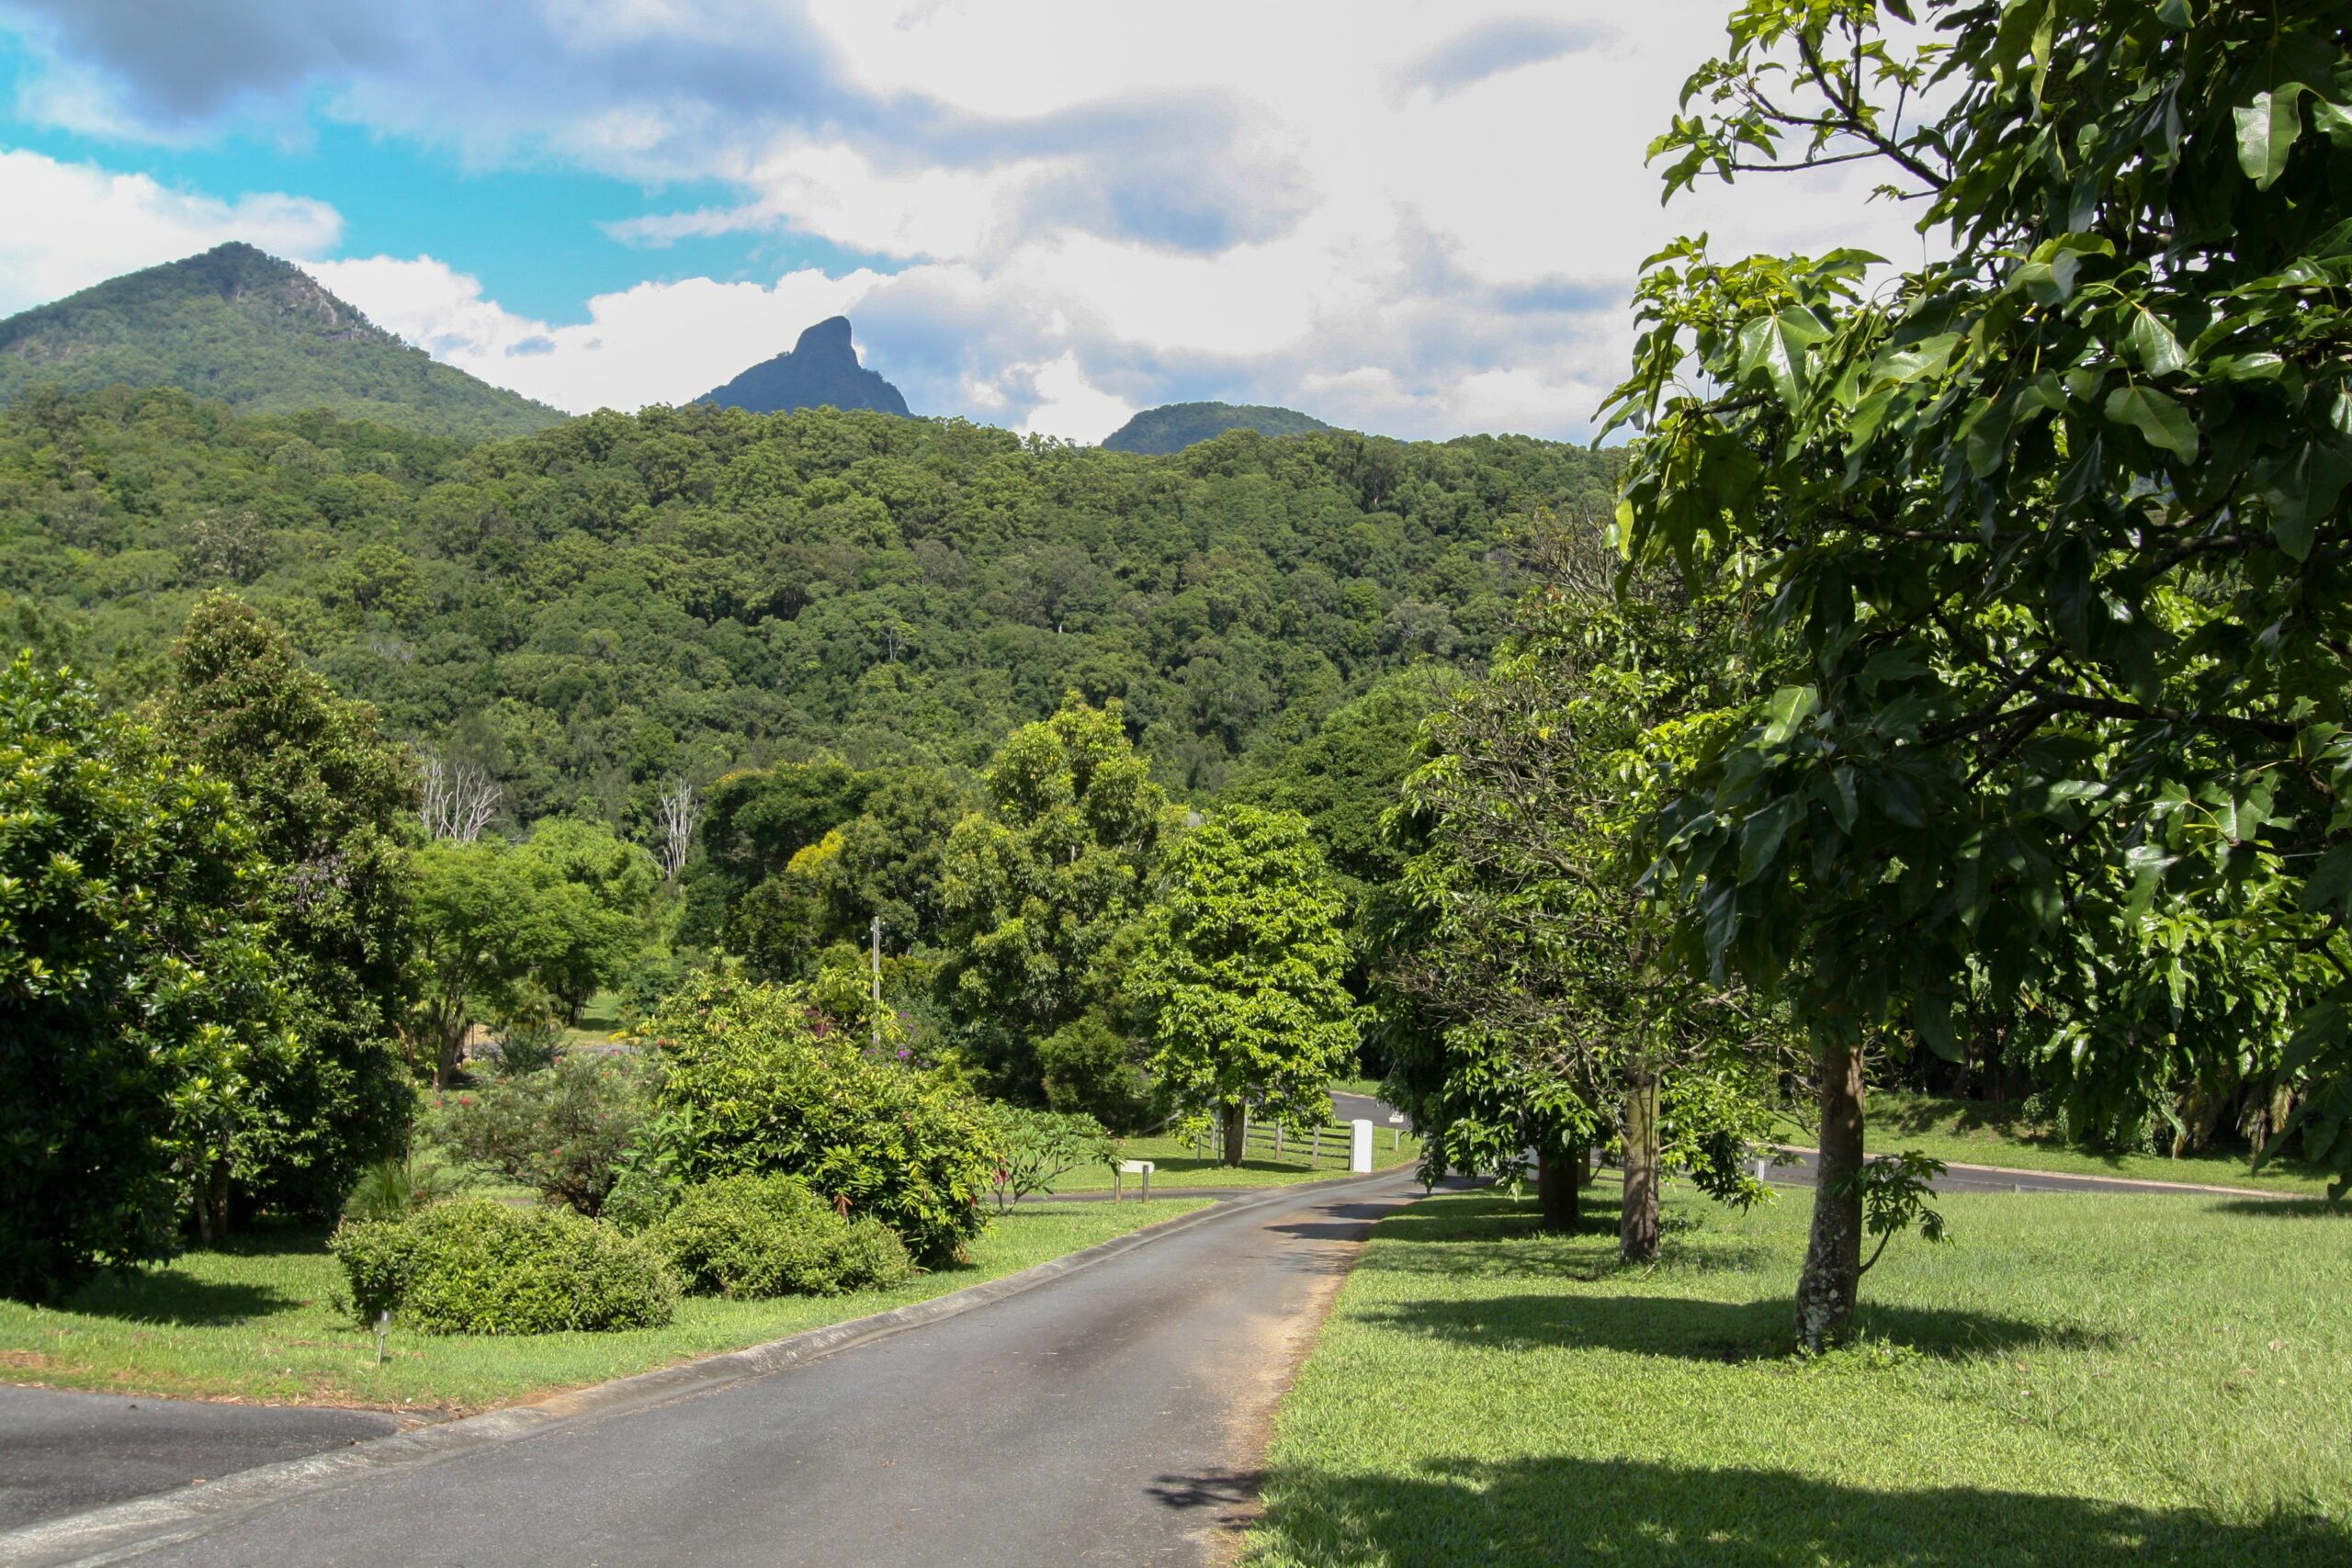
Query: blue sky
(1420, 219)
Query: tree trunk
(213, 1206)
(1833, 1261)
(1236, 1132)
(1559, 1179)
(1637, 1218)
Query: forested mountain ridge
(820, 370)
(1172, 427)
(598, 609)
(255, 331)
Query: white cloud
(71, 225)
(1423, 218)
(658, 342)
(1068, 406)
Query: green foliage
(753, 1237)
(1172, 427)
(565, 1131)
(491, 921)
(326, 796)
(1040, 887)
(1238, 972)
(1895, 1189)
(248, 329)
(772, 1086)
(396, 1187)
(1042, 1146)
(2057, 530)
(596, 611)
(1522, 980)
(135, 985)
(478, 1267)
(1088, 1066)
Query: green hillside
(255, 332)
(595, 608)
(1174, 426)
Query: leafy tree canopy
(134, 983)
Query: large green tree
(1040, 889)
(1530, 997)
(2056, 532)
(326, 796)
(491, 922)
(1238, 974)
(134, 983)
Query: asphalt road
(1988, 1178)
(63, 1452)
(1112, 1415)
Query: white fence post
(1359, 1144)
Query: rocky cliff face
(822, 371)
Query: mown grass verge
(255, 1322)
(1178, 1166)
(1968, 1132)
(2074, 1382)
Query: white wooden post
(1359, 1144)
(1278, 1140)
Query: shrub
(1090, 1068)
(564, 1132)
(652, 1171)
(530, 1039)
(772, 1087)
(1042, 1146)
(396, 1188)
(478, 1267)
(751, 1236)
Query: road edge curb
(118, 1530)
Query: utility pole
(877, 985)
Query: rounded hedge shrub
(767, 1085)
(750, 1236)
(478, 1267)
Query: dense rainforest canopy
(590, 612)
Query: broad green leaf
(2332, 120)
(2302, 490)
(1932, 1015)
(2153, 344)
(1761, 836)
(1790, 707)
(2266, 131)
(2162, 420)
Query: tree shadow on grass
(1689, 1330)
(2288, 1208)
(1626, 1514)
(162, 1296)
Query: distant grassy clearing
(1177, 1166)
(1968, 1132)
(253, 1323)
(2074, 1380)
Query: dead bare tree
(459, 798)
(680, 810)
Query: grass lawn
(1968, 1132)
(1179, 1166)
(254, 1323)
(2073, 1383)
